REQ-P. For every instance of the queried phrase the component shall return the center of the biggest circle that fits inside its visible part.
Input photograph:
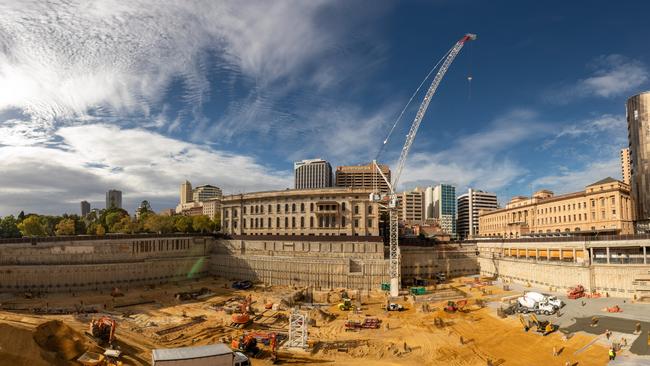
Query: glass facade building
(638, 127)
(444, 207)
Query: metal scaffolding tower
(297, 330)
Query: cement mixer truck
(529, 304)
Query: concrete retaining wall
(94, 264)
(425, 262)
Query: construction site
(458, 322)
(235, 299)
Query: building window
(369, 222)
(293, 207)
(261, 222)
(602, 201)
(356, 222)
(311, 207)
(302, 207)
(343, 206)
(286, 207)
(614, 212)
(234, 213)
(293, 222)
(369, 210)
(261, 208)
(270, 222)
(593, 216)
(277, 208)
(286, 222)
(356, 209)
(343, 221)
(593, 203)
(602, 215)
(277, 222)
(311, 222)
(269, 208)
(613, 200)
(244, 210)
(302, 222)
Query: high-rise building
(363, 177)
(85, 208)
(186, 192)
(113, 199)
(312, 173)
(205, 192)
(469, 206)
(638, 131)
(626, 166)
(444, 207)
(411, 206)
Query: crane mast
(394, 253)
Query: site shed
(210, 355)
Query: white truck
(530, 304)
(541, 298)
(214, 355)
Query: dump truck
(214, 354)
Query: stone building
(411, 206)
(604, 207)
(324, 211)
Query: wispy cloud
(572, 180)
(479, 160)
(611, 76)
(605, 128)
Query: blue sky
(106, 94)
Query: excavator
(544, 327)
(242, 317)
(247, 343)
(103, 329)
(454, 306)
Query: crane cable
(409, 102)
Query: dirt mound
(17, 348)
(55, 336)
(322, 315)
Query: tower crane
(390, 200)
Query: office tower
(411, 206)
(85, 208)
(186, 192)
(469, 206)
(113, 199)
(626, 166)
(444, 207)
(205, 192)
(362, 176)
(313, 173)
(638, 126)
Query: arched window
(286, 207)
(277, 222)
(293, 207)
(302, 222)
(302, 207)
(311, 222)
(293, 222)
(286, 222)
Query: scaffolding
(297, 330)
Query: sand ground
(410, 337)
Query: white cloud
(64, 59)
(573, 180)
(612, 76)
(607, 127)
(144, 165)
(479, 160)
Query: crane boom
(425, 103)
(394, 252)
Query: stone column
(607, 255)
(574, 256)
(536, 254)
(548, 254)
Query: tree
(21, 216)
(32, 226)
(159, 224)
(201, 223)
(65, 227)
(112, 218)
(9, 227)
(125, 226)
(99, 230)
(215, 224)
(182, 223)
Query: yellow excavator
(544, 327)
